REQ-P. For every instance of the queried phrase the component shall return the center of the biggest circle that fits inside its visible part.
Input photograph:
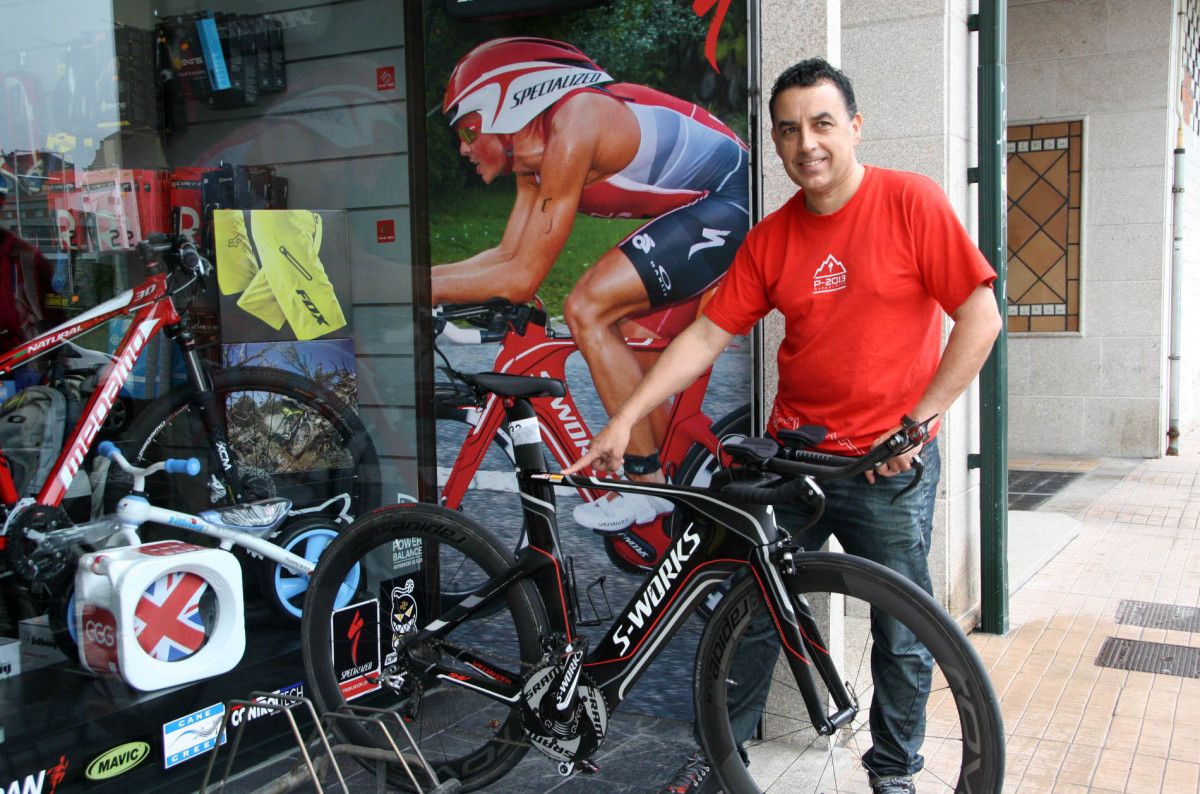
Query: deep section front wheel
(947, 726)
(409, 556)
(287, 436)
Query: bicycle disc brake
(568, 740)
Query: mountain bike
(259, 432)
(503, 666)
(485, 460)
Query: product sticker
(167, 548)
(402, 611)
(117, 761)
(44, 781)
(385, 78)
(354, 644)
(385, 231)
(240, 714)
(192, 735)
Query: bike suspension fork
(208, 405)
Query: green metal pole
(993, 380)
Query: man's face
(815, 137)
(484, 150)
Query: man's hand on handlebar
(607, 450)
(903, 462)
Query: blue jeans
(866, 523)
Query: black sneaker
(694, 777)
(893, 785)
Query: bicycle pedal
(566, 769)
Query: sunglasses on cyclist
(469, 131)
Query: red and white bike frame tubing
(151, 310)
(564, 432)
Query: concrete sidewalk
(1075, 726)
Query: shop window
(1045, 163)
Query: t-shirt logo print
(830, 276)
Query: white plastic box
(157, 641)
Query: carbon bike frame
(151, 309)
(723, 540)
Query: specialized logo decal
(354, 637)
(558, 83)
(192, 735)
(713, 238)
(830, 276)
(36, 784)
(656, 588)
(117, 761)
(168, 621)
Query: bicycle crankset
(572, 738)
(34, 551)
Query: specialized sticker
(117, 761)
(192, 735)
(354, 643)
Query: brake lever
(919, 467)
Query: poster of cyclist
(589, 184)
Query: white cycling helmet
(509, 81)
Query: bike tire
(965, 743)
(288, 436)
(462, 734)
(282, 589)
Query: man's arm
(684, 360)
(976, 325)
(538, 226)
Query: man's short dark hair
(808, 73)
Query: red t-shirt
(862, 291)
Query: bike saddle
(504, 385)
(257, 518)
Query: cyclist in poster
(579, 142)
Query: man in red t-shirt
(862, 262)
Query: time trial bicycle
(502, 665)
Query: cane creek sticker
(117, 761)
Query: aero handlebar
(783, 473)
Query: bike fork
(807, 652)
(209, 407)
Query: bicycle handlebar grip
(107, 448)
(190, 466)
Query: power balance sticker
(354, 644)
(192, 735)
